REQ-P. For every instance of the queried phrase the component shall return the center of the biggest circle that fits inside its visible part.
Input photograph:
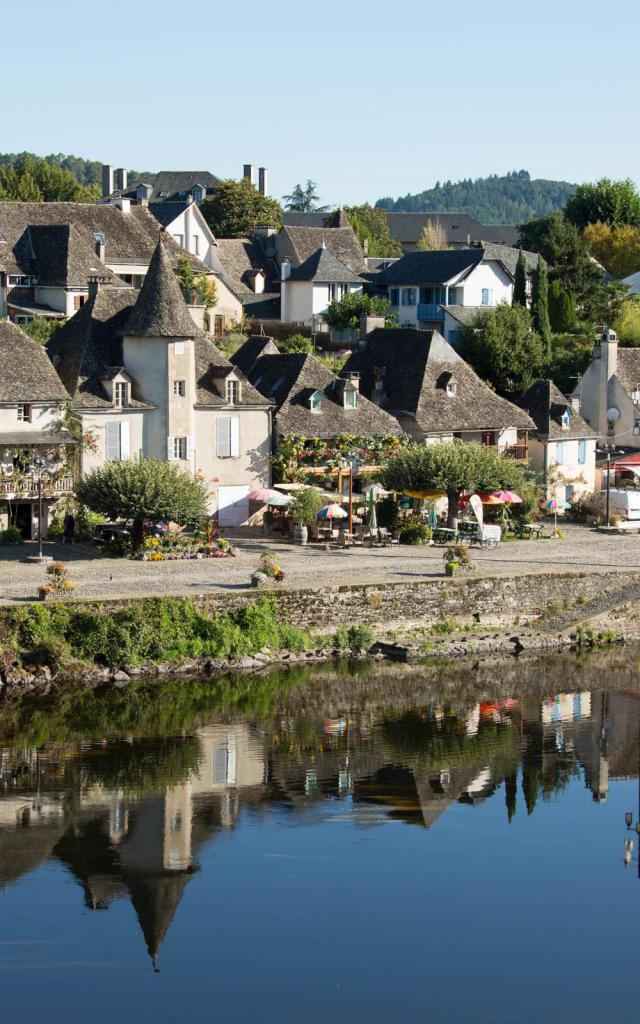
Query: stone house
(147, 381)
(563, 446)
(32, 403)
(608, 393)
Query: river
(352, 843)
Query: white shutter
(170, 449)
(111, 441)
(223, 437)
(124, 440)
(189, 448)
(235, 437)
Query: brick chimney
(263, 181)
(121, 178)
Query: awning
(34, 310)
(26, 439)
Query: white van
(622, 503)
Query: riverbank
(67, 644)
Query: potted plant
(268, 521)
(304, 508)
(456, 557)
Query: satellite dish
(613, 414)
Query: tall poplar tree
(540, 305)
(520, 282)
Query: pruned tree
(144, 489)
(540, 306)
(433, 237)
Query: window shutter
(170, 449)
(235, 437)
(223, 437)
(112, 441)
(582, 451)
(189, 448)
(124, 440)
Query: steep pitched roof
(169, 186)
(433, 267)
(26, 375)
(237, 260)
(323, 266)
(342, 242)
(508, 256)
(628, 370)
(290, 379)
(414, 367)
(155, 898)
(546, 404)
(160, 310)
(463, 314)
(254, 347)
(460, 228)
(62, 257)
(212, 369)
(166, 211)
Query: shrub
(305, 504)
(359, 638)
(10, 536)
(414, 531)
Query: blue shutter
(582, 452)
(112, 441)
(560, 452)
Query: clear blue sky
(368, 99)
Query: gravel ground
(97, 576)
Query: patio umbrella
(279, 500)
(332, 511)
(425, 494)
(264, 495)
(433, 515)
(373, 521)
(508, 497)
(554, 505)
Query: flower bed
(175, 547)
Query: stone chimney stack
(247, 172)
(107, 179)
(100, 246)
(608, 370)
(285, 270)
(263, 181)
(121, 178)
(367, 325)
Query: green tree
(503, 348)
(305, 505)
(628, 324)
(371, 225)
(144, 489)
(236, 208)
(570, 356)
(520, 282)
(304, 199)
(346, 312)
(617, 249)
(562, 247)
(32, 179)
(433, 237)
(295, 343)
(612, 202)
(42, 329)
(199, 286)
(453, 467)
(540, 305)
(561, 305)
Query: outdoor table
(443, 535)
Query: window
(487, 296)
(455, 297)
(408, 296)
(120, 395)
(233, 392)
(488, 438)
(560, 452)
(582, 452)
(24, 413)
(452, 387)
(350, 398)
(196, 244)
(315, 403)
(179, 388)
(116, 441)
(177, 448)
(179, 239)
(176, 821)
(178, 348)
(566, 418)
(19, 281)
(227, 437)
(393, 296)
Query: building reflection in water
(128, 819)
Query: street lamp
(352, 461)
(38, 469)
(608, 450)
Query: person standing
(69, 527)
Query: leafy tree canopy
(560, 244)
(508, 199)
(613, 202)
(371, 224)
(628, 324)
(41, 328)
(200, 286)
(236, 208)
(86, 172)
(617, 248)
(503, 348)
(32, 179)
(346, 312)
(569, 358)
(295, 343)
(454, 467)
(144, 489)
(304, 199)
(433, 238)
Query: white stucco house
(563, 446)
(146, 381)
(306, 291)
(183, 220)
(608, 393)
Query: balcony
(430, 311)
(27, 486)
(519, 452)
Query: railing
(519, 452)
(28, 485)
(430, 311)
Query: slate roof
(26, 375)
(166, 211)
(464, 314)
(508, 255)
(254, 347)
(435, 267)
(239, 259)
(130, 238)
(545, 403)
(169, 186)
(290, 379)
(62, 257)
(323, 266)
(460, 228)
(628, 370)
(414, 367)
(160, 310)
(316, 218)
(212, 369)
(342, 242)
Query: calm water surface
(427, 844)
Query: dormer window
(120, 394)
(233, 392)
(452, 387)
(565, 419)
(635, 395)
(350, 398)
(315, 402)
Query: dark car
(106, 533)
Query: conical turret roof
(160, 310)
(155, 899)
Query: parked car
(106, 533)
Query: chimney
(367, 325)
(247, 172)
(94, 286)
(258, 282)
(121, 178)
(353, 379)
(365, 247)
(285, 270)
(143, 193)
(608, 369)
(107, 179)
(263, 181)
(100, 245)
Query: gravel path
(97, 576)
